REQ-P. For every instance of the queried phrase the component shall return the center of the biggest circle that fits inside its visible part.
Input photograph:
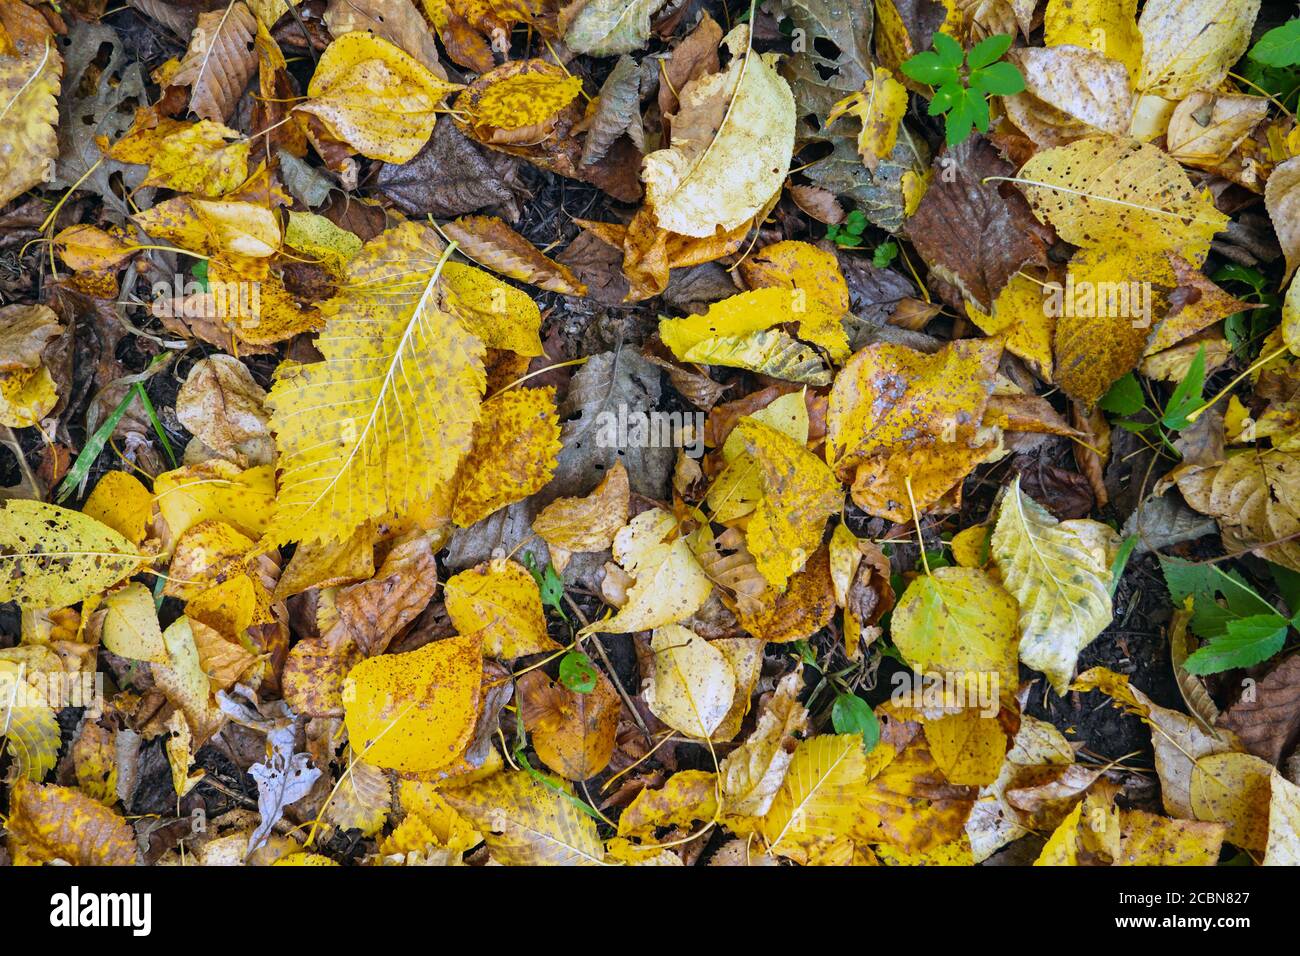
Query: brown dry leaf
(751, 775)
(48, 823)
(574, 734)
(224, 407)
(494, 245)
(374, 612)
(1266, 719)
(220, 61)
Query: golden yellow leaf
(1150, 840)
(516, 444)
(526, 823)
(1106, 192)
(31, 729)
(821, 296)
(520, 95)
(327, 564)
(48, 823)
(317, 236)
(375, 97)
(1060, 573)
(1019, 312)
(382, 424)
(895, 412)
(500, 600)
(1234, 789)
(970, 546)
(732, 139)
(87, 248)
(51, 557)
(819, 798)
(799, 494)
(131, 625)
(498, 313)
(121, 502)
(739, 320)
(589, 523)
(968, 746)
(1107, 26)
(669, 583)
(415, 711)
(216, 490)
(692, 686)
(26, 397)
(687, 797)
(909, 804)
(198, 158)
(880, 106)
(29, 113)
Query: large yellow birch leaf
(1115, 193)
(1150, 840)
(1108, 27)
(751, 775)
(48, 822)
(500, 600)
(382, 424)
(516, 444)
(588, 523)
(799, 494)
(692, 686)
(669, 583)
(959, 622)
(51, 557)
(527, 823)
(732, 139)
(821, 295)
(1191, 44)
(1060, 573)
(415, 711)
(375, 97)
(818, 800)
(29, 113)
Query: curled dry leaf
(589, 523)
(491, 243)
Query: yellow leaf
(1019, 312)
(819, 799)
(521, 94)
(751, 775)
(180, 755)
(121, 502)
(1150, 840)
(737, 317)
(896, 412)
(909, 804)
(1234, 789)
(1191, 44)
(526, 823)
(732, 139)
(573, 733)
(739, 486)
(498, 313)
(500, 600)
(1107, 26)
(382, 424)
(516, 444)
(821, 296)
(669, 583)
(26, 397)
(375, 97)
(687, 797)
(692, 686)
(29, 88)
(880, 106)
(30, 728)
(799, 494)
(317, 236)
(1059, 571)
(304, 859)
(590, 523)
(970, 546)
(51, 557)
(216, 490)
(960, 622)
(48, 823)
(131, 625)
(87, 248)
(415, 711)
(182, 679)
(363, 798)
(1105, 192)
(1283, 823)
(968, 746)
(197, 158)
(206, 554)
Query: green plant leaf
(577, 672)
(1000, 79)
(1187, 396)
(928, 68)
(851, 714)
(1124, 398)
(1279, 46)
(988, 50)
(1247, 641)
(947, 50)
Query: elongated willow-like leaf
(381, 425)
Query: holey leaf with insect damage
(382, 423)
(1117, 193)
(731, 144)
(1059, 571)
(51, 557)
